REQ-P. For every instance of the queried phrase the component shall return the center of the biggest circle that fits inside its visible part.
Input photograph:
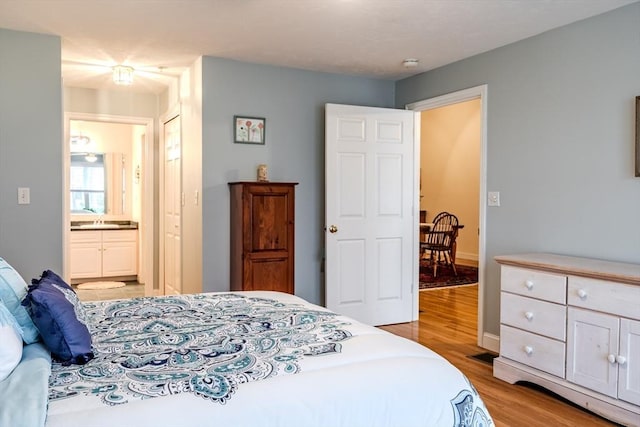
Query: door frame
(478, 92)
(146, 238)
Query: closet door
(172, 207)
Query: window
(87, 183)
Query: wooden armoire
(262, 236)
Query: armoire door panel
(266, 274)
(269, 222)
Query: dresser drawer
(540, 317)
(533, 350)
(535, 284)
(600, 295)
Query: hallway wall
(450, 168)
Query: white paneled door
(371, 273)
(172, 207)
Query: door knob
(333, 229)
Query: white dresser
(572, 325)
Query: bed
(241, 359)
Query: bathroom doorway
(117, 191)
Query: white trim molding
(477, 92)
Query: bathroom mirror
(97, 183)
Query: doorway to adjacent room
(459, 174)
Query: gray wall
(292, 101)
(30, 151)
(560, 141)
(117, 103)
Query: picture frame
(249, 130)
(637, 136)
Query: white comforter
(373, 378)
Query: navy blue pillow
(50, 276)
(59, 316)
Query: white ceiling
(159, 38)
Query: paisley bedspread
(252, 358)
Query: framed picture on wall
(248, 130)
(638, 136)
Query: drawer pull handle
(529, 284)
(528, 315)
(611, 358)
(621, 360)
(528, 349)
(582, 293)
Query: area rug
(444, 276)
(100, 285)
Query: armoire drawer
(540, 317)
(539, 352)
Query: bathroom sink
(106, 225)
(100, 226)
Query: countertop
(106, 225)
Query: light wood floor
(447, 325)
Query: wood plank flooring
(447, 325)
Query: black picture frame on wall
(638, 136)
(249, 130)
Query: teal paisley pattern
(205, 344)
(468, 411)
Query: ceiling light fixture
(91, 157)
(80, 140)
(410, 63)
(123, 75)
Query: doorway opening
(123, 192)
(478, 93)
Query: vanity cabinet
(103, 253)
(262, 236)
(572, 325)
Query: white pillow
(10, 350)
(11, 339)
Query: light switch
(494, 198)
(24, 196)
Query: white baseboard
(491, 342)
(467, 256)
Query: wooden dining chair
(440, 241)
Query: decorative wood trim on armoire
(262, 236)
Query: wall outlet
(494, 198)
(24, 196)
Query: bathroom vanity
(100, 250)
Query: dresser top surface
(585, 267)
